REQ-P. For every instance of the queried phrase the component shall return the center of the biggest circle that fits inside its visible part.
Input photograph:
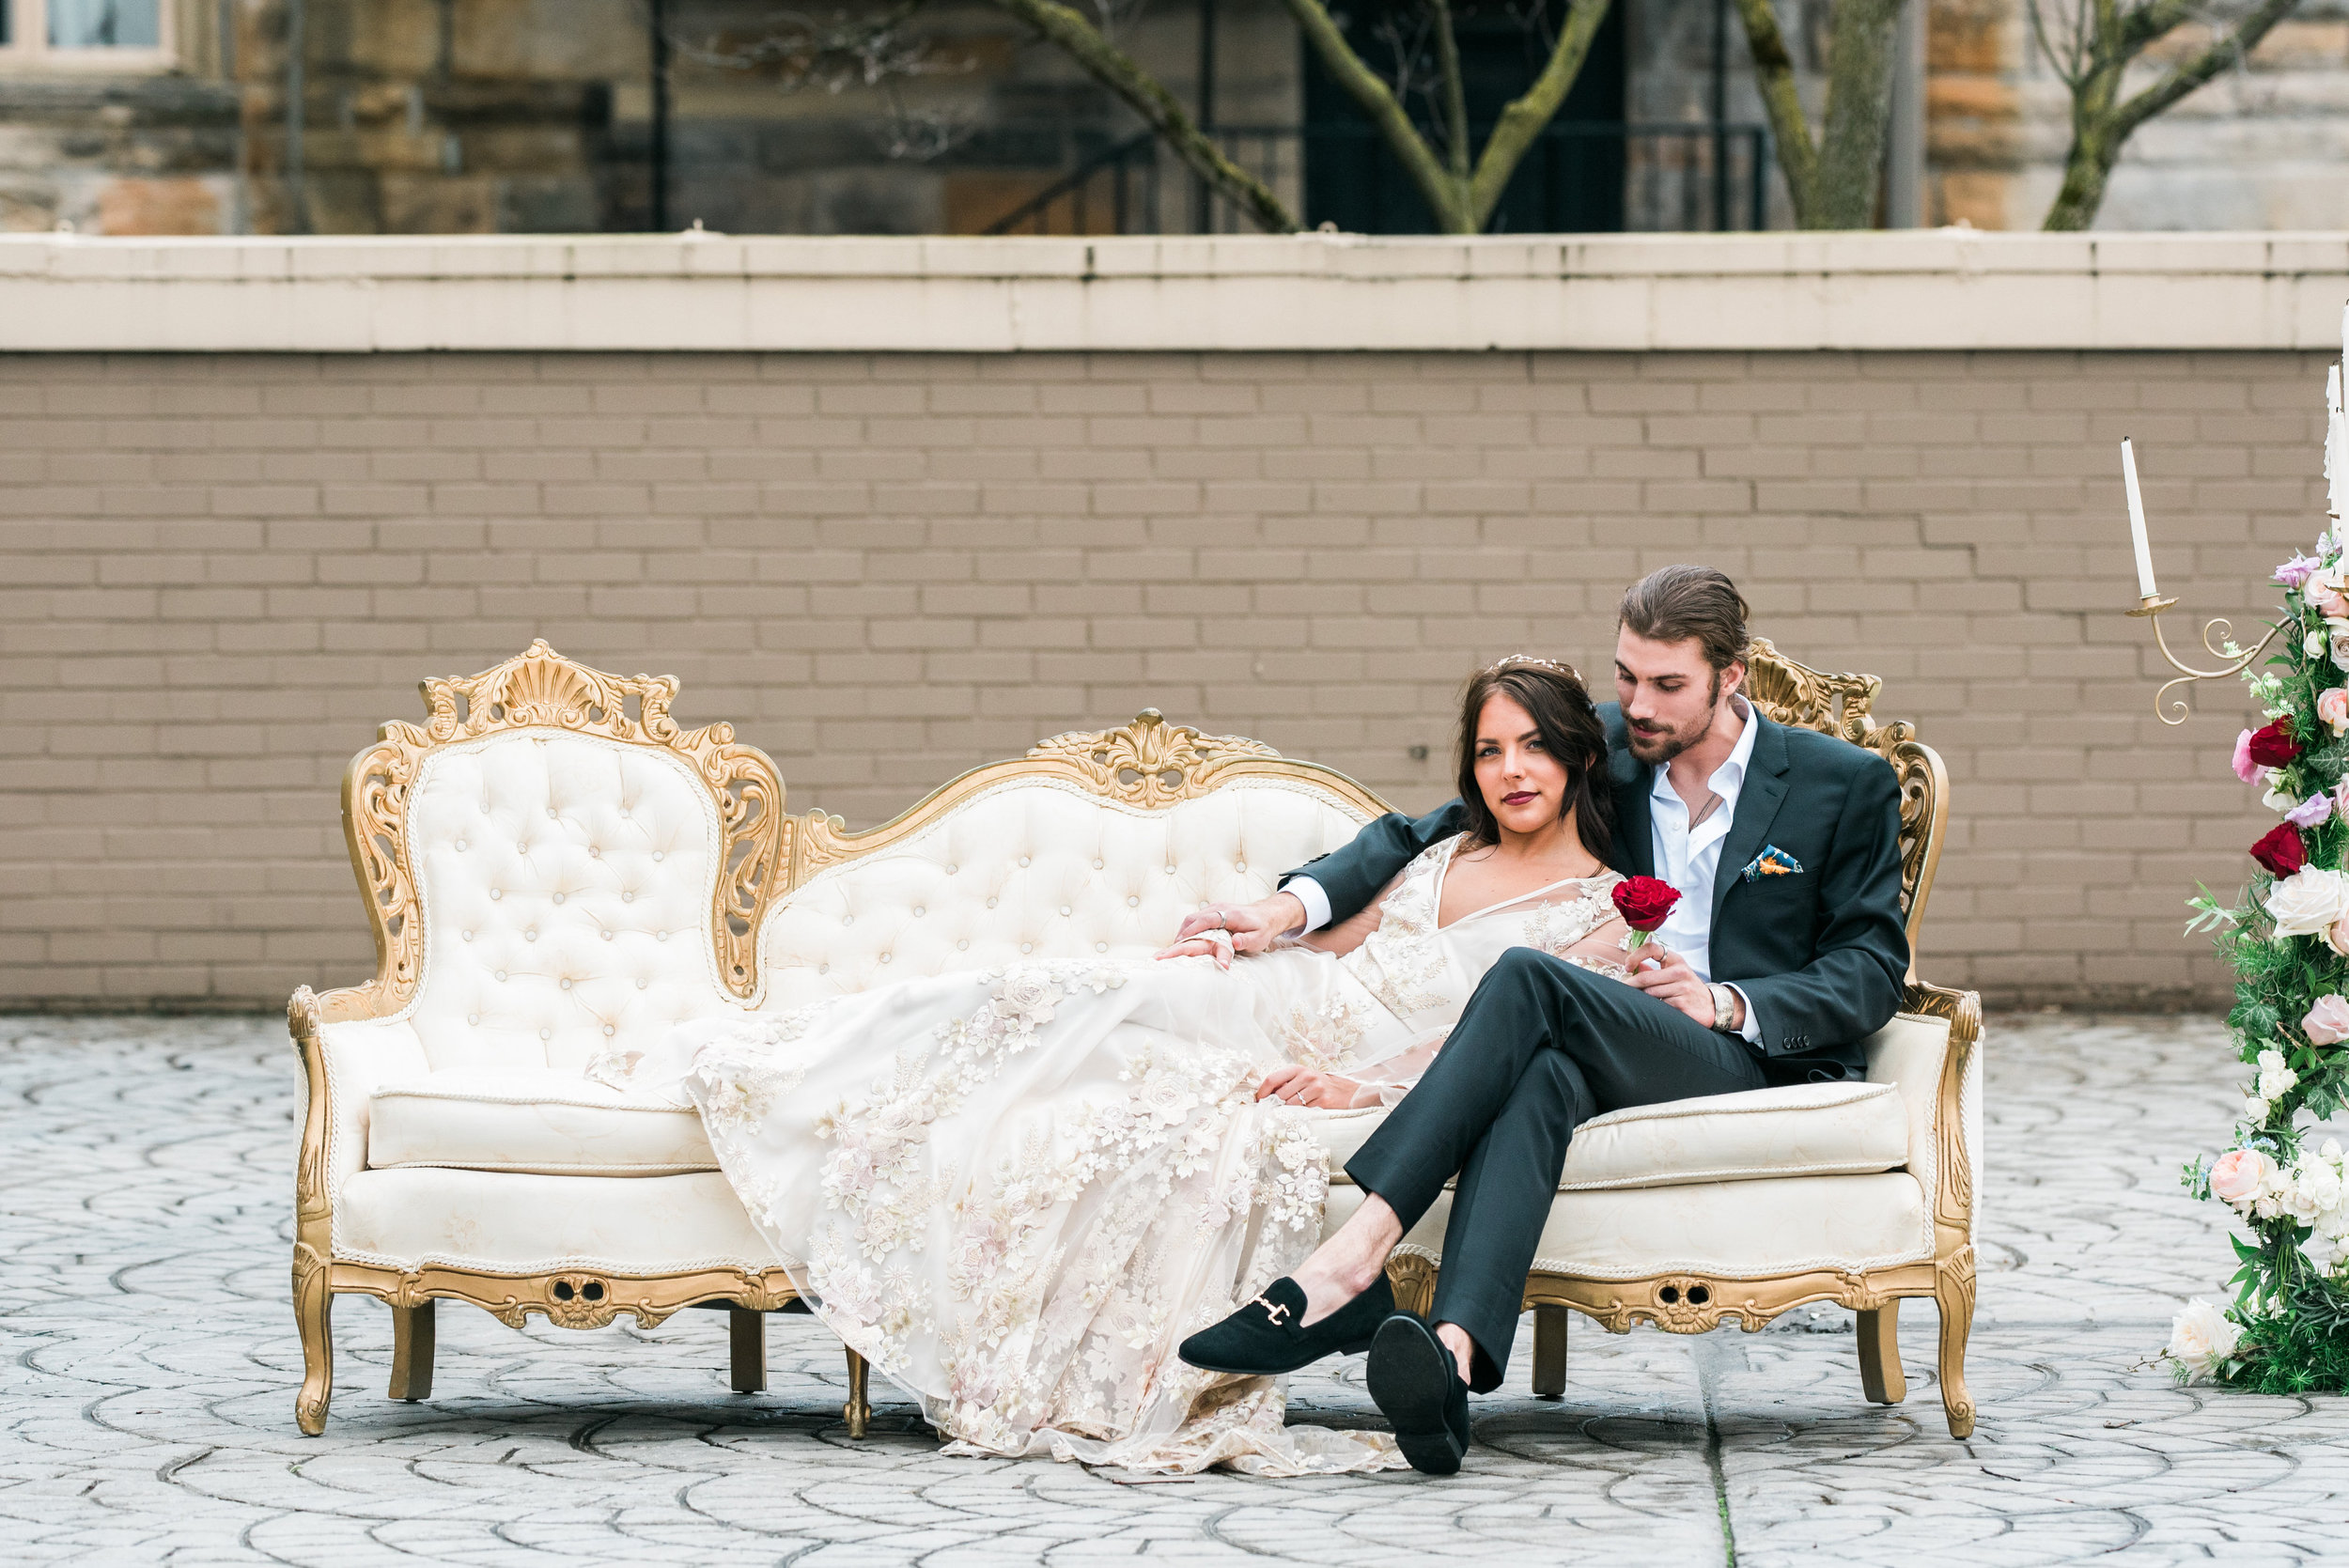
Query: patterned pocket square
(1773, 861)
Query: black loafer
(1266, 1338)
(1417, 1387)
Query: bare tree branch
(1386, 111)
(1526, 116)
(1455, 92)
(2185, 78)
(1141, 92)
(1790, 128)
(2105, 41)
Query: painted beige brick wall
(218, 574)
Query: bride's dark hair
(1559, 706)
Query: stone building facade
(171, 116)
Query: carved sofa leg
(412, 1350)
(1954, 1294)
(1880, 1376)
(1550, 1352)
(746, 1334)
(858, 1410)
(313, 1310)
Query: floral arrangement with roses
(2287, 1329)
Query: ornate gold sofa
(555, 869)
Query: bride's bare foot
(1343, 1267)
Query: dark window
(1570, 180)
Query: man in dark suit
(1785, 951)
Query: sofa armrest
(1931, 1049)
(345, 1061)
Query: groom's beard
(1658, 745)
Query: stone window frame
(29, 48)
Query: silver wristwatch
(1724, 1008)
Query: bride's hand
(1214, 945)
(1252, 927)
(1303, 1086)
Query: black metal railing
(1684, 176)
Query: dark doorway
(1571, 180)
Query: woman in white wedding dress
(1015, 1191)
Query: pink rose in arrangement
(2238, 1175)
(2314, 812)
(2332, 709)
(2245, 768)
(2327, 1023)
(2328, 603)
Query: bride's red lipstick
(1519, 797)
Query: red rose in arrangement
(1643, 902)
(2273, 746)
(2280, 850)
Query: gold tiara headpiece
(1515, 658)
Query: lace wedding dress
(1015, 1191)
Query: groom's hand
(1669, 978)
(1254, 927)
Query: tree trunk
(2094, 151)
(1859, 106)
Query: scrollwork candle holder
(2218, 638)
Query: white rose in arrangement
(2307, 901)
(2202, 1339)
(2320, 1182)
(2276, 1080)
(2254, 1109)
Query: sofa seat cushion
(508, 1222)
(1749, 1228)
(1800, 1129)
(546, 1121)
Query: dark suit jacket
(1822, 954)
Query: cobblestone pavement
(147, 1365)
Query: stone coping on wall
(1921, 290)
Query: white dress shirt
(1689, 860)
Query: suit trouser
(1541, 1048)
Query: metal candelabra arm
(2216, 628)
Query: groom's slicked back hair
(1673, 604)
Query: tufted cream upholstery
(1041, 868)
(566, 883)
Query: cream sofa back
(1036, 868)
(566, 886)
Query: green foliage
(2294, 1317)
(2302, 1349)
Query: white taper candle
(2336, 443)
(2137, 522)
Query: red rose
(2280, 849)
(1643, 902)
(2273, 746)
